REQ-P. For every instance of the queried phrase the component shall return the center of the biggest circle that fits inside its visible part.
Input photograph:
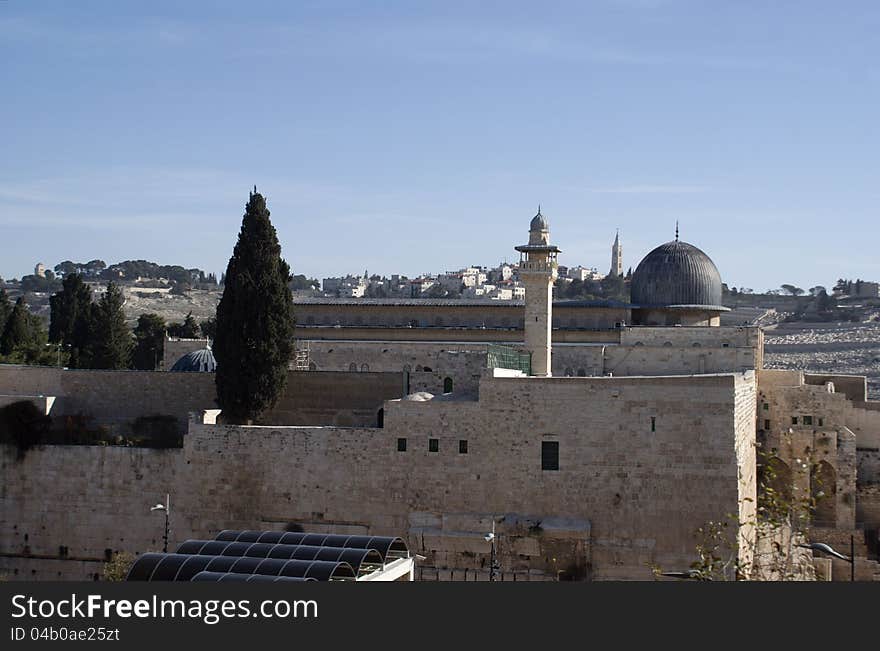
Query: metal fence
(507, 357)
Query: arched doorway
(447, 385)
(823, 491)
(380, 418)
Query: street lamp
(822, 547)
(493, 563)
(167, 509)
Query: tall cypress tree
(254, 339)
(17, 329)
(5, 309)
(111, 339)
(71, 319)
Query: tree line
(253, 328)
(87, 334)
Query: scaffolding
(507, 357)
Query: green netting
(507, 357)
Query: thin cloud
(649, 189)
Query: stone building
(593, 440)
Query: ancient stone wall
(116, 398)
(642, 462)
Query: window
(401, 445)
(365, 368)
(433, 445)
(765, 407)
(653, 423)
(808, 420)
(462, 447)
(352, 367)
(794, 420)
(447, 385)
(766, 424)
(821, 421)
(550, 455)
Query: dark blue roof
(198, 361)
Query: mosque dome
(198, 361)
(539, 222)
(676, 273)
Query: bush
(22, 424)
(116, 569)
(157, 432)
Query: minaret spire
(676, 230)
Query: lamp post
(493, 564)
(822, 547)
(167, 509)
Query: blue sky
(411, 137)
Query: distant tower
(538, 270)
(40, 270)
(616, 257)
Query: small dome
(676, 273)
(198, 361)
(539, 223)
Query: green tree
(209, 327)
(71, 319)
(792, 290)
(5, 308)
(149, 335)
(255, 322)
(111, 339)
(189, 329)
(17, 333)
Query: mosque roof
(677, 274)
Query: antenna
(676, 230)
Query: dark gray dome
(539, 223)
(676, 273)
(198, 361)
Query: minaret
(616, 257)
(538, 270)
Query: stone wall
(636, 351)
(116, 398)
(642, 462)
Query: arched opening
(447, 385)
(774, 489)
(365, 368)
(823, 491)
(313, 366)
(582, 372)
(569, 372)
(352, 367)
(414, 323)
(380, 417)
